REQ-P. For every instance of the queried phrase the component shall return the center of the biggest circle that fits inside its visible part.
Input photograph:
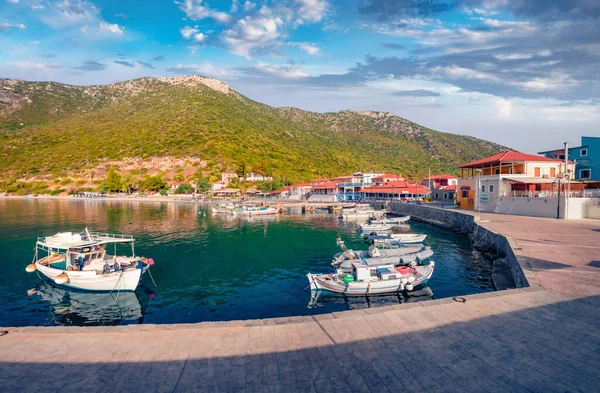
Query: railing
(552, 194)
(111, 235)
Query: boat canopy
(68, 240)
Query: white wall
(593, 211)
(535, 207)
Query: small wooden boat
(374, 227)
(389, 220)
(80, 261)
(255, 211)
(375, 256)
(223, 209)
(398, 238)
(370, 280)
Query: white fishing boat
(80, 261)
(375, 256)
(359, 211)
(223, 209)
(371, 280)
(389, 220)
(398, 238)
(374, 227)
(255, 211)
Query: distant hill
(50, 130)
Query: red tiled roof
(341, 177)
(280, 191)
(507, 156)
(448, 188)
(396, 190)
(438, 177)
(327, 185)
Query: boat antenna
(88, 234)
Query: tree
(178, 178)
(113, 180)
(128, 182)
(184, 189)
(154, 183)
(203, 185)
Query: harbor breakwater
(507, 272)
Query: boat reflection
(76, 308)
(320, 298)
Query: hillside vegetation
(52, 131)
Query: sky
(522, 73)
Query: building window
(585, 173)
(491, 188)
(583, 152)
(465, 193)
(497, 171)
(561, 157)
(445, 195)
(482, 188)
(552, 172)
(437, 196)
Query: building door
(536, 172)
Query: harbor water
(208, 268)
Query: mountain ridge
(53, 130)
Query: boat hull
(126, 280)
(323, 282)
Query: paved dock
(563, 256)
(528, 340)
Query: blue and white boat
(80, 261)
(372, 280)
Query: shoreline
(172, 199)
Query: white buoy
(411, 279)
(61, 279)
(409, 287)
(31, 268)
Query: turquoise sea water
(208, 268)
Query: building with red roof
(437, 181)
(515, 183)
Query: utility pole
(568, 176)
(558, 203)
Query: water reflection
(70, 307)
(208, 267)
(321, 298)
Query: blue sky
(523, 73)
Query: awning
(535, 180)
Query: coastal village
(509, 182)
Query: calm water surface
(208, 268)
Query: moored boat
(80, 261)
(398, 238)
(370, 280)
(389, 220)
(255, 211)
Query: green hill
(51, 130)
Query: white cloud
(13, 1)
(34, 42)
(287, 71)
(38, 7)
(206, 68)
(307, 47)
(455, 72)
(111, 28)
(254, 33)
(188, 31)
(249, 6)
(6, 26)
(198, 10)
(199, 37)
(311, 11)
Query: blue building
(586, 157)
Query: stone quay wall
(507, 272)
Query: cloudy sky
(523, 73)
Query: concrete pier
(543, 338)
